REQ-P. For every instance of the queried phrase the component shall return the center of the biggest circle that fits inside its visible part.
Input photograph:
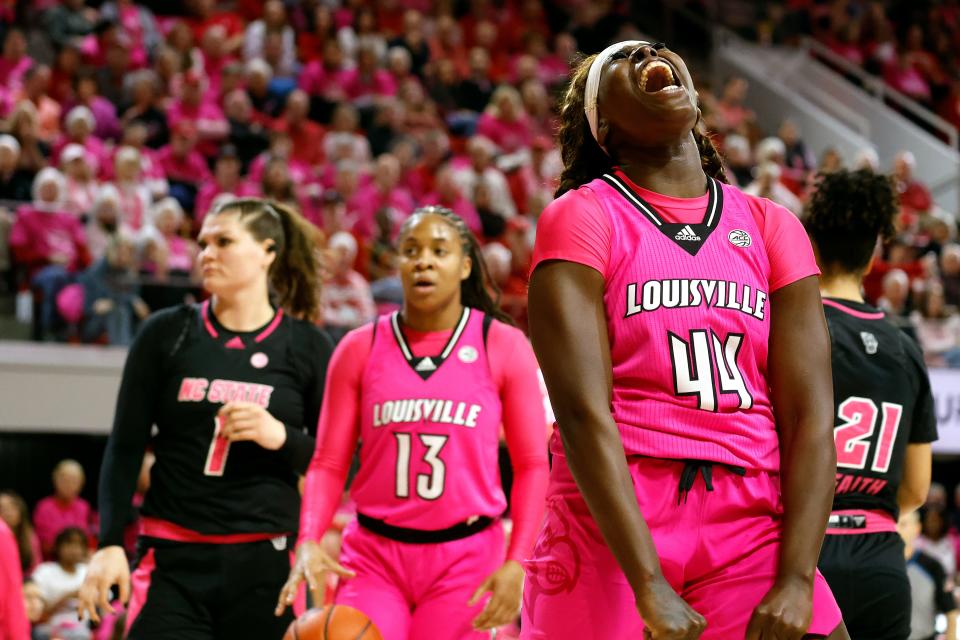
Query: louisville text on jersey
(680, 293)
(463, 414)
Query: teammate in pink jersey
(692, 314)
(426, 390)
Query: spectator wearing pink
(274, 20)
(13, 612)
(135, 135)
(915, 197)
(344, 130)
(504, 121)
(325, 78)
(306, 136)
(165, 251)
(281, 148)
(213, 52)
(65, 508)
(846, 43)
(384, 191)
(79, 125)
(539, 109)
(14, 512)
(85, 93)
(348, 181)
(732, 112)
(79, 169)
(36, 85)
(226, 179)
(205, 116)
(448, 194)
(368, 81)
(180, 160)
(345, 300)
(43, 233)
(481, 168)
(138, 24)
(905, 78)
(134, 194)
(14, 63)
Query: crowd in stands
(913, 46)
(112, 152)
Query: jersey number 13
(429, 486)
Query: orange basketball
(333, 622)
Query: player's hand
(108, 567)
(784, 613)
(249, 421)
(666, 616)
(505, 586)
(312, 563)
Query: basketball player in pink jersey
(693, 462)
(425, 390)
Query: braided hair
(477, 291)
(294, 274)
(584, 159)
(847, 213)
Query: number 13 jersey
(687, 295)
(429, 430)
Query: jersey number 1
(860, 422)
(429, 485)
(217, 453)
(693, 365)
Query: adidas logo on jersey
(687, 234)
(426, 365)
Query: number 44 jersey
(688, 317)
(882, 403)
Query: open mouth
(657, 76)
(423, 284)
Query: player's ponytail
(583, 159)
(477, 291)
(709, 156)
(294, 274)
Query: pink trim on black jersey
(139, 588)
(205, 312)
(270, 327)
(863, 315)
(237, 342)
(166, 530)
(873, 521)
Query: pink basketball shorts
(718, 549)
(419, 591)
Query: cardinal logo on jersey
(739, 238)
(468, 354)
(870, 343)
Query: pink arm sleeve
(573, 228)
(788, 247)
(514, 369)
(337, 434)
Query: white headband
(593, 81)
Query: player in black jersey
(234, 387)
(884, 411)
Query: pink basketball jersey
(688, 316)
(429, 430)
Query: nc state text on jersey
(681, 293)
